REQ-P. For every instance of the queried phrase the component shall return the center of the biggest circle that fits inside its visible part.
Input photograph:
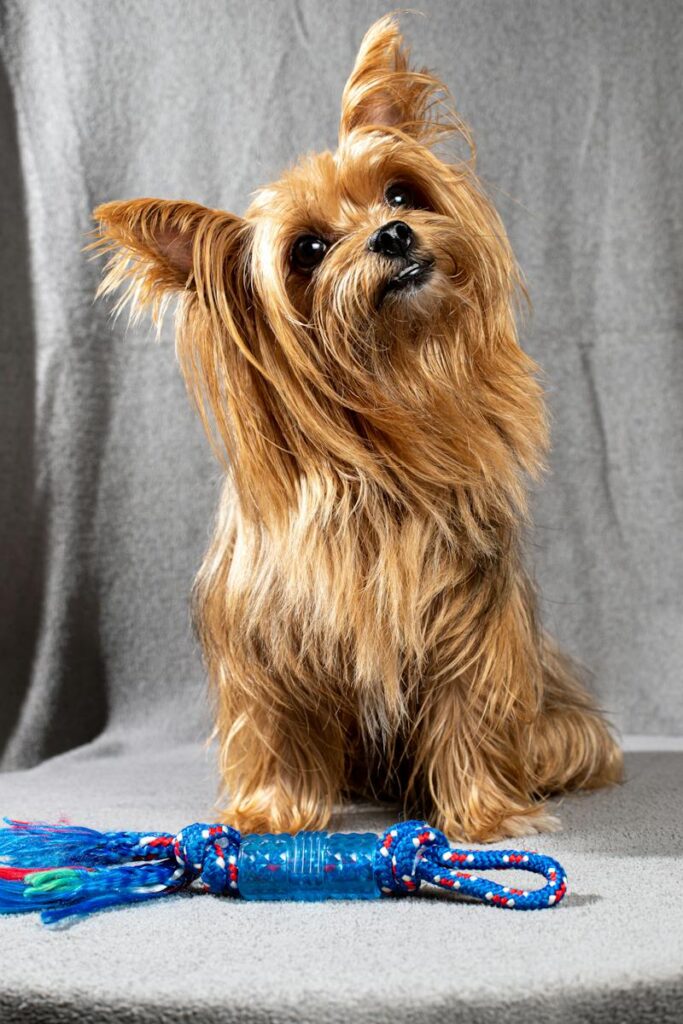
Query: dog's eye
(307, 252)
(401, 196)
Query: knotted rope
(412, 852)
(65, 871)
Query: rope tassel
(66, 871)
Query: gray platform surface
(612, 952)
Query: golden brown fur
(366, 619)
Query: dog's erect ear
(384, 92)
(158, 246)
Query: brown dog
(350, 343)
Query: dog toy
(67, 871)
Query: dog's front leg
(473, 770)
(282, 768)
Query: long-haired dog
(366, 619)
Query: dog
(367, 622)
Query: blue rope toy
(66, 871)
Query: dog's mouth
(412, 276)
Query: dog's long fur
(364, 612)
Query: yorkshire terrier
(367, 622)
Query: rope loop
(412, 852)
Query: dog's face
(358, 318)
(366, 246)
(380, 243)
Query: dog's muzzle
(396, 241)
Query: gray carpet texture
(611, 952)
(107, 491)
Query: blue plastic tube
(308, 866)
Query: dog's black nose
(394, 239)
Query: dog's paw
(518, 825)
(521, 821)
(263, 813)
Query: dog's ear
(383, 91)
(157, 247)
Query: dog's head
(357, 321)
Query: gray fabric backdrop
(108, 491)
(107, 485)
